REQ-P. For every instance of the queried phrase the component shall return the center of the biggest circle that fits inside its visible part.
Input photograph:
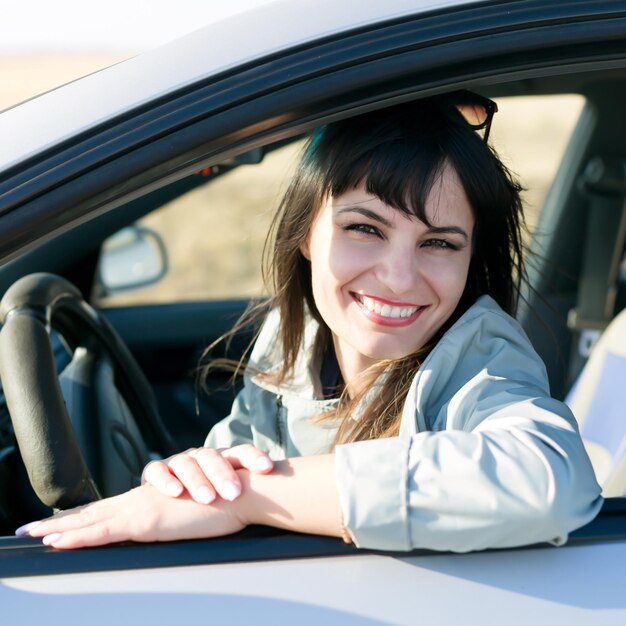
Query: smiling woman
(388, 378)
(375, 271)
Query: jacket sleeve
(497, 463)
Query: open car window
(214, 235)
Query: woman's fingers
(142, 514)
(205, 472)
(192, 475)
(157, 473)
(219, 471)
(219, 468)
(69, 520)
(248, 457)
(95, 535)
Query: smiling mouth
(387, 313)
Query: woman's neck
(352, 365)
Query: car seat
(598, 400)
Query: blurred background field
(23, 76)
(214, 235)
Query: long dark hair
(397, 153)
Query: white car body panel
(49, 119)
(573, 586)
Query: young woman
(390, 399)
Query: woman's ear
(304, 248)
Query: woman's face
(383, 282)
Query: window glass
(531, 134)
(214, 235)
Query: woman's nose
(398, 269)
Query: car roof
(252, 34)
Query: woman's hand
(142, 514)
(205, 472)
(300, 494)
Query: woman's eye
(440, 244)
(366, 229)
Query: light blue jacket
(484, 459)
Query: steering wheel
(90, 430)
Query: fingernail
(174, 489)
(26, 528)
(205, 495)
(53, 538)
(230, 490)
(264, 463)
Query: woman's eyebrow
(444, 230)
(366, 213)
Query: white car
(89, 175)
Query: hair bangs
(400, 169)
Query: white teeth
(387, 310)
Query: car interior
(577, 286)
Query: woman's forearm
(300, 495)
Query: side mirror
(131, 258)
